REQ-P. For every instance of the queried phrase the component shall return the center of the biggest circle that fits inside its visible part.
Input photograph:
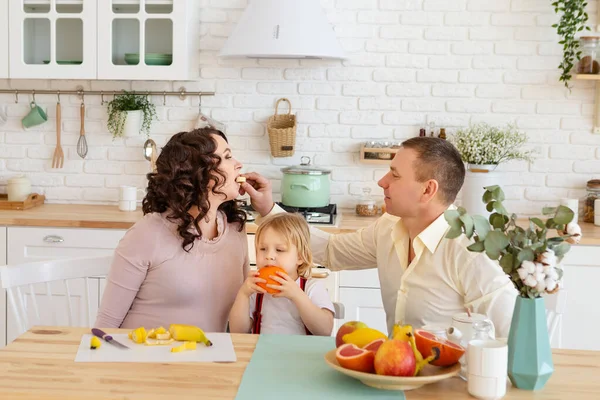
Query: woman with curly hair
(186, 259)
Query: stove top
(314, 215)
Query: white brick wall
(411, 62)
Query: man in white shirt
(425, 278)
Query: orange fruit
(450, 352)
(264, 273)
(374, 345)
(353, 357)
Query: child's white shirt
(279, 315)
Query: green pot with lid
(305, 185)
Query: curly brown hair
(184, 169)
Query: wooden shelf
(376, 150)
(587, 77)
(115, 2)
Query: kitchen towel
(293, 367)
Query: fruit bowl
(429, 374)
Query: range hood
(283, 29)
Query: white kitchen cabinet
(53, 39)
(26, 244)
(3, 39)
(134, 34)
(581, 320)
(2, 291)
(363, 304)
(364, 278)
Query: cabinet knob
(53, 239)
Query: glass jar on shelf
(589, 60)
(366, 205)
(593, 193)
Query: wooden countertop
(40, 365)
(110, 217)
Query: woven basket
(282, 132)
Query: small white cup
(486, 388)
(127, 205)
(487, 358)
(128, 193)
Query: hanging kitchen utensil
(204, 121)
(59, 156)
(150, 153)
(82, 147)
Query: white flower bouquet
(527, 255)
(484, 144)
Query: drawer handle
(53, 239)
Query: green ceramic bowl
(65, 62)
(150, 58)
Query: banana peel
(405, 334)
(188, 333)
(183, 347)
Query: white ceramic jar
(18, 188)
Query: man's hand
(259, 189)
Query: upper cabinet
(3, 39)
(147, 39)
(102, 39)
(52, 39)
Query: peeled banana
(188, 333)
(405, 334)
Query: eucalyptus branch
(527, 255)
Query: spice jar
(593, 193)
(366, 206)
(588, 63)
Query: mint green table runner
(286, 367)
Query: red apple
(348, 327)
(395, 358)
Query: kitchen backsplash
(411, 62)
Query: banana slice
(163, 336)
(158, 342)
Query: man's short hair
(438, 159)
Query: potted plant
(483, 147)
(573, 19)
(130, 114)
(532, 261)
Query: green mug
(35, 117)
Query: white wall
(453, 62)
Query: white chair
(19, 281)
(556, 304)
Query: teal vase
(529, 354)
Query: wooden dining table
(40, 364)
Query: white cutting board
(221, 351)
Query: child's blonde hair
(295, 229)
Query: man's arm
(488, 290)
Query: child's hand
(288, 287)
(250, 285)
